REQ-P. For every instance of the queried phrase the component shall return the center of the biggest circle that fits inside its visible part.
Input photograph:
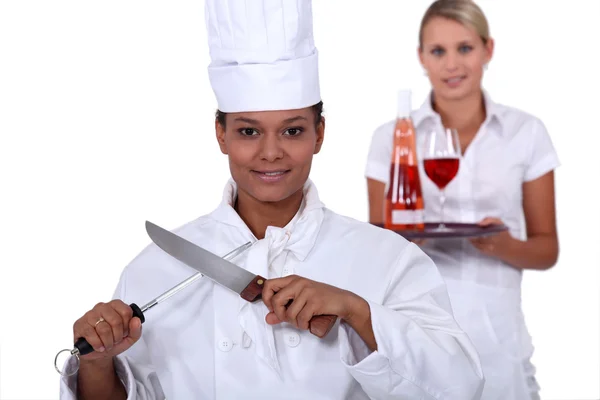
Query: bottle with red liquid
(404, 207)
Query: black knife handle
(84, 347)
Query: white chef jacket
(208, 343)
(511, 147)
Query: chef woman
(395, 337)
(506, 171)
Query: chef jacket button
(292, 339)
(287, 271)
(225, 344)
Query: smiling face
(270, 152)
(454, 56)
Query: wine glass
(441, 160)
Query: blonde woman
(506, 176)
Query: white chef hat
(263, 55)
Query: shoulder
(398, 264)
(385, 129)
(380, 152)
(518, 122)
(382, 134)
(362, 236)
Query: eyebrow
(246, 120)
(294, 119)
(256, 122)
(461, 43)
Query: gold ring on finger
(100, 320)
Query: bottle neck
(404, 142)
(404, 126)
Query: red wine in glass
(441, 170)
(441, 161)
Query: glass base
(441, 228)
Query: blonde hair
(465, 12)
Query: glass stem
(442, 202)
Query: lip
(455, 81)
(272, 176)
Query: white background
(106, 120)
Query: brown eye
(248, 131)
(294, 131)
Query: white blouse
(510, 148)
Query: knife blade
(247, 285)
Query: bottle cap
(404, 103)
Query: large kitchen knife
(243, 282)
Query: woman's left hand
(309, 299)
(493, 245)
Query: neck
(466, 115)
(259, 215)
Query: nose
(451, 61)
(271, 149)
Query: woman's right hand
(109, 328)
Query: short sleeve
(380, 153)
(543, 157)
